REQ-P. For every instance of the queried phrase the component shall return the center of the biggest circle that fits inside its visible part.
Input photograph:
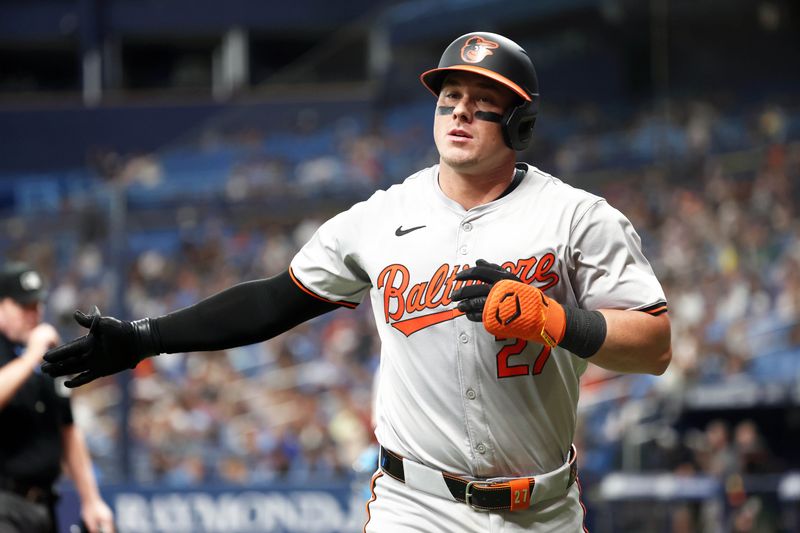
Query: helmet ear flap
(517, 126)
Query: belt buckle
(468, 496)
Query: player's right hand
(472, 298)
(508, 307)
(109, 346)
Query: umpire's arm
(246, 313)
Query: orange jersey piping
(303, 288)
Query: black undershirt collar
(519, 174)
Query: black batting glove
(472, 298)
(110, 346)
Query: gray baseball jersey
(449, 394)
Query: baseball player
(493, 286)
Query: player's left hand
(508, 307)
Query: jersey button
(463, 250)
(464, 338)
(480, 448)
(466, 226)
(471, 394)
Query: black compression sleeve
(246, 313)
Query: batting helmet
(503, 61)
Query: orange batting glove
(508, 307)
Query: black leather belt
(485, 495)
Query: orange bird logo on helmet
(476, 49)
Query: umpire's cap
(490, 55)
(21, 283)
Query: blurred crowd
(723, 233)
(716, 211)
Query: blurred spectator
(714, 452)
(752, 454)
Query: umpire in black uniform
(37, 435)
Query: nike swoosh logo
(400, 231)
